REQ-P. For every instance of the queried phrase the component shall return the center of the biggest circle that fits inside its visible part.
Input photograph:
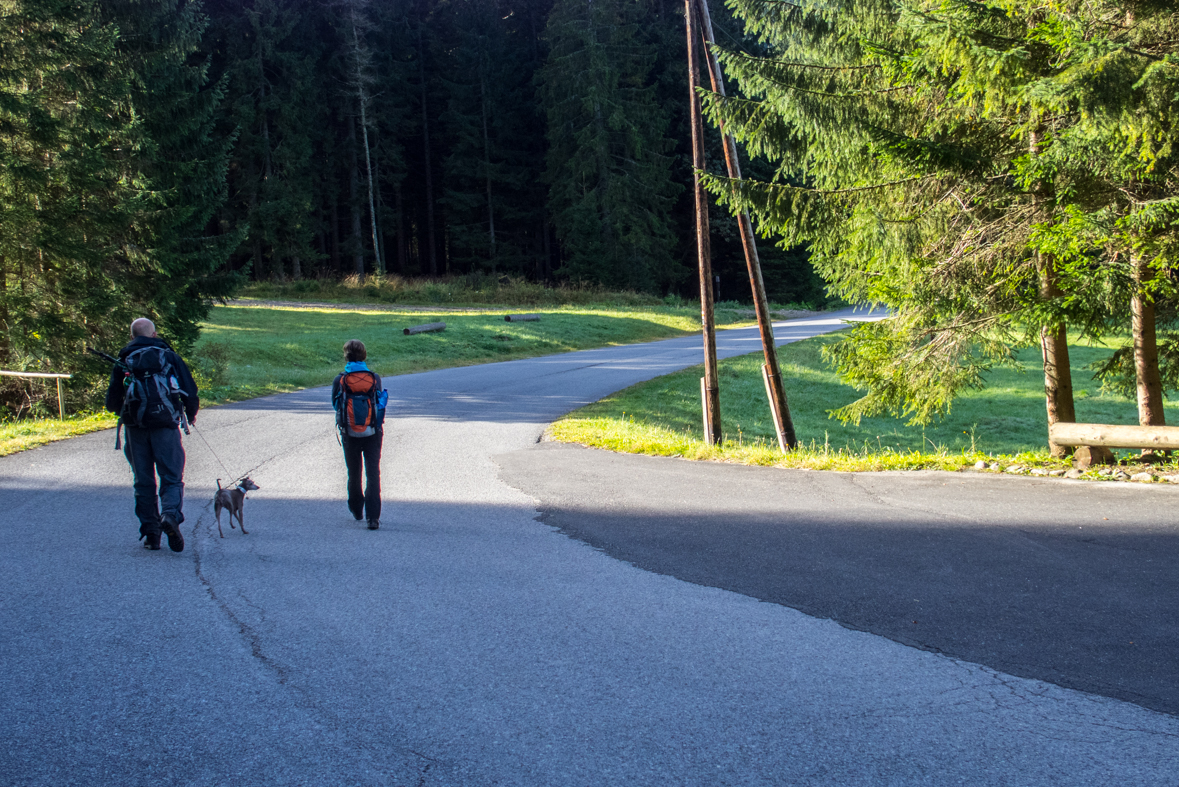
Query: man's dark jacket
(115, 392)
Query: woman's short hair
(354, 350)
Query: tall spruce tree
(66, 127)
(181, 159)
(607, 167)
(270, 55)
(110, 176)
(927, 176)
(490, 168)
(1110, 105)
(392, 122)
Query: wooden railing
(1162, 438)
(60, 377)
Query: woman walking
(360, 414)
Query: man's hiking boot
(374, 524)
(357, 515)
(151, 540)
(172, 530)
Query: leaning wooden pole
(772, 375)
(709, 390)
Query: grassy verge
(21, 435)
(1003, 424)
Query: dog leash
(214, 453)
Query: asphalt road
(466, 643)
(1070, 582)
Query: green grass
(479, 291)
(21, 435)
(248, 351)
(1006, 420)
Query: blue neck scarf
(356, 366)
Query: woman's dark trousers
(151, 451)
(364, 503)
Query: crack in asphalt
(253, 639)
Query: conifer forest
(997, 174)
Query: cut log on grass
(426, 328)
(1163, 438)
(521, 317)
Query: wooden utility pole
(709, 390)
(771, 375)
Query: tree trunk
(372, 209)
(487, 172)
(321, 244)
(602, 152)
(431, 253)
(255, 244)
(1058, 378)
(362, 100)
(399, 206)
(335, 231)
(383, 256)
(1146, 351)
(276, 269)
(5, 327)
(547, 260)
(354, 200)
(1058, 381)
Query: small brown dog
(232, 498)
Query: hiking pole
(104, 356)
(126, 374)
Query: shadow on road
(1054, 582)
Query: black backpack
(151, 399)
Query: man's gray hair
(142, 327)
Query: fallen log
(521, 317)
(425, 328)
(1164, 438)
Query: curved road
(466, 643)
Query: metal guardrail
(60, 377)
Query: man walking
(152, 390)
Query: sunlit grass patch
(1004, 423)
(21, 435)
